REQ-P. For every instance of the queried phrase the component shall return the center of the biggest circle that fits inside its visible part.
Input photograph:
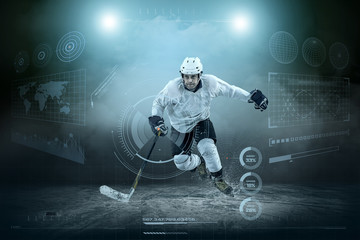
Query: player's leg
(206, 137)
(187, 162)
(208, 151)
(181, 147)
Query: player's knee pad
(208, 151)
(186, 162)
(207, 147)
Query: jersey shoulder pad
(210, 81)
(173, 87)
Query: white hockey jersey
(186, 108)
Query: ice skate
(220, 184)
(201, 169)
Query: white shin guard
(209, 152)
(185, 162)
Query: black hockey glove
(157, 124)
(259, 99)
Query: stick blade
(112, 193)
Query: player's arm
(255, 96)
(156, 120)
(221, 88)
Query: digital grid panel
(297, 100)
(59, 97)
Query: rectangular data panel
(63, 142)
(59, 97)
(298, 100)
(309, 153)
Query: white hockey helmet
(191, 65)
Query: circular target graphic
(70, 46)
(42, 55)
(250, 183)
(314, 52)
(21, 62)
(339, 55)
(133, 139)
(250, 158)
(250, 208)
(283, 47)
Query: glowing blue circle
(42, 55)
(21, 62)
(70, 46)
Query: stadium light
(109, 22)
(241, 23)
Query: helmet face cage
(191, 66)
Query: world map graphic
(42, 93)
(59, 97)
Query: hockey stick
(122, 197)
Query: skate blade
(203, 176)
(113, 194)
(230, 194)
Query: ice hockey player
(187, 102)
